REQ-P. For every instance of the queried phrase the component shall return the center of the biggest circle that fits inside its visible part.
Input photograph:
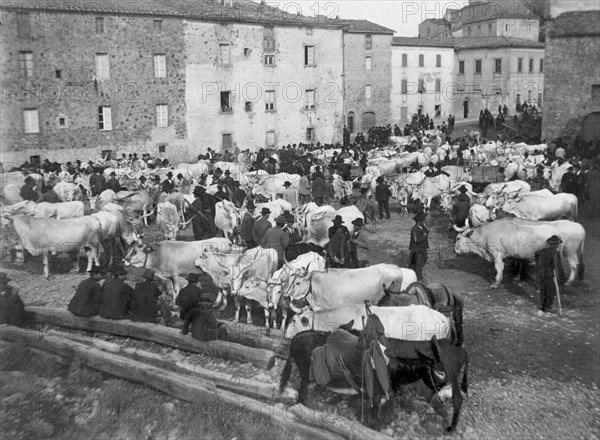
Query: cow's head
(220, 272)
(256, 288)
(299, 323)
(465, 243)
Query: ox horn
(147, 215)
(457, 229)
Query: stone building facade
(492, 71)
(572, 77)
(367, 75)
(422, 79)
(78, 82)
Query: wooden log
(177, 385)
(248, 387)
(350, 429)
(170, 337)
(257, 337)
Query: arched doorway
(420, 110)
(368, 121)
(350, 124)
(590, 127)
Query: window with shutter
(26, 64)
(102, 66)
(224, 54)
(404, 60)
(104, 118)
(309, 55)
(162, 115)
(32, 124)
(310, 99)
(270, 100)
(160, 66)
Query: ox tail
(576, 211)
(285, 374)
(457, 317)
(464, 385)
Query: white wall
(412, 73)
(249, 79)
(558, 7)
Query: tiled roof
(245, 11)
(146, 7)
(461, 43)
(365, 26)
(437, 21)
(575, 24)
(423, 42)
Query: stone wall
(357, 77)
(571, 70)
(68, 106)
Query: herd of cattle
(506, 220)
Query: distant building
(422, 79)
(572, 76)
(367, 77)
(493, 71)
(434, 26)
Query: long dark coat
(87, 298)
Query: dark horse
(435, 296)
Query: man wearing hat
(113, 183)
(382, 196)
(319, 188)
(116, 295)
(221, 194)
(196, 308)
(337, 249)
(202, 220)
(354, 243)
(460, 208)
(304, 188)
(290, 194)
(88, 296)
(146, 301)
(239, 195)
(182, 184)
(12, 309)
(550, 272)
(278, 239)
(247, 226)
(261, 226)
(419, 243)
(290, 229)
(168, 184)
(142, 186)
(27, 192)
(228, 180)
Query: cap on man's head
(112, 173)
(358, 222)
(338, 220)
(265, 211)
(193, 277)
(287, 183)
(463, 189)
(281, 220)
(420, 217)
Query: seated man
(12, 309)
(146, 301)
(88, 296)
(116, 295)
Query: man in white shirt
(290, 195)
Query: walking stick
(557, 292)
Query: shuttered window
(31, 121)
(160, 66)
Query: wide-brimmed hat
(287, 183)
(282, 219)
(380, 179)
(265, 211)
(156, 178)
(236, 183)
(421, 216)
(555, 239)
(358, 222)
(199, 190)
(148, 274)
(193, 277)
(169, 174)
(180, 176)
(227, 172)
(112, 173)
(462, 189)
(338, 220)
(143, 178)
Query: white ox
(169, 259)
(336, 287)
(510, 188)
(554, 174)
(270, 185)
(195, 169)
(68, 192)
(61, 211)
(319, 222)
(521, 239)
(433, 187)
(268, 292)
(533, 206)
(227, 218)
(167, 220)
(229, 271)
(410, 323)
(238, 171)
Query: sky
(403, 16)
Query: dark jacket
(87, 298)
(204, 323)
(189, 297)
(418, 239)
(97, 183)
(460, 209)
(382, 192)
(278, 239)
(247, 229)
(113, 184)
(49, 197)
(116, 298)
(338, 246)
(238, 197)
(261, 226)
(28, 193)
(144, 302)
(547, 261)
(319, 188)
(168, 186)
(569, 183)
(12, 309)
